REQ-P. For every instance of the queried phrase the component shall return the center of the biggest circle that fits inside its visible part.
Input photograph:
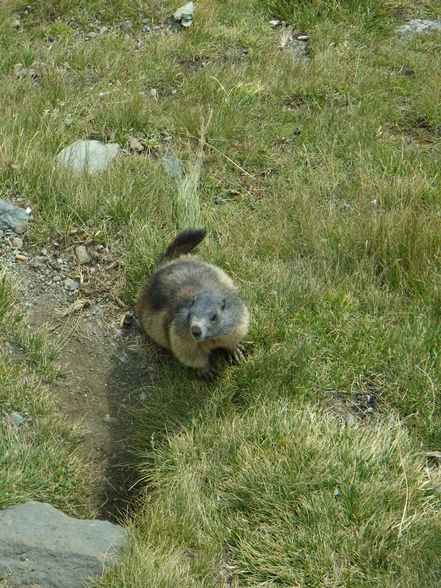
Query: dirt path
(103, 368)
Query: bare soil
(102, 363)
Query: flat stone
(13, 217)
(82, 254)
(173, 166)
(41, 545)
(417, 26)
(88, 155)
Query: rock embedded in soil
(82, 254)
(71, 285)
(184, 14)
(13, 217)
(88, 155)
(418, 25)
(41, 545)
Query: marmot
(191, 307)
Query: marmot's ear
(223, 303)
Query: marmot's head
(210, 314)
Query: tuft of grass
(286, 496)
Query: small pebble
(154, 93)
(90, 222)
(304, 38)
(71, 284)
(218, 200)
(17, 243)
(68, 122)
(274, 23)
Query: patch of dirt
(102, 363)
(352, 408)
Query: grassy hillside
(318, 182)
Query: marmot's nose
(196, 331)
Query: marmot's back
(190, 306)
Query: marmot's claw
(208, 374)
(237, 355)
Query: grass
(326, 178)
(38, 459)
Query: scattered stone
(174, 92)
(275, 23)
(135, 145)
(350, 419)
(173, 166)
(68, 122)
(16, 420)
(90, 222)
(16, 23)
(154, 93)
(82, 254)
(71, 285)
(184, 14)
(92, 35)
(41, 545)
(13, 217)
(17, 243)
(109, 420)
(43, 252)
(418, 25)
(103, 30)
(218, 200)
(87, 155)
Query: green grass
(328, 174)
(38, 459)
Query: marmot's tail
(185, 242)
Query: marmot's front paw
(208, 374)
(237, 355)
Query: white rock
(184, 14)
(418, 25)
(88, 155)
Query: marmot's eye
(213, 317)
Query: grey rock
(173, 166)
(16, 419)
(68, 122)
(184, 14)
(87, 155)
(16, 23)
(71, 284)
(17, 243)
(274, 23)
(104, 30)
(218, 200)
(90, 222)
(13, 217)
(418, 25)
(82, 254)
(41, 545)
(154, 93)
(135, 145)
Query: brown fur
(184, 286)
